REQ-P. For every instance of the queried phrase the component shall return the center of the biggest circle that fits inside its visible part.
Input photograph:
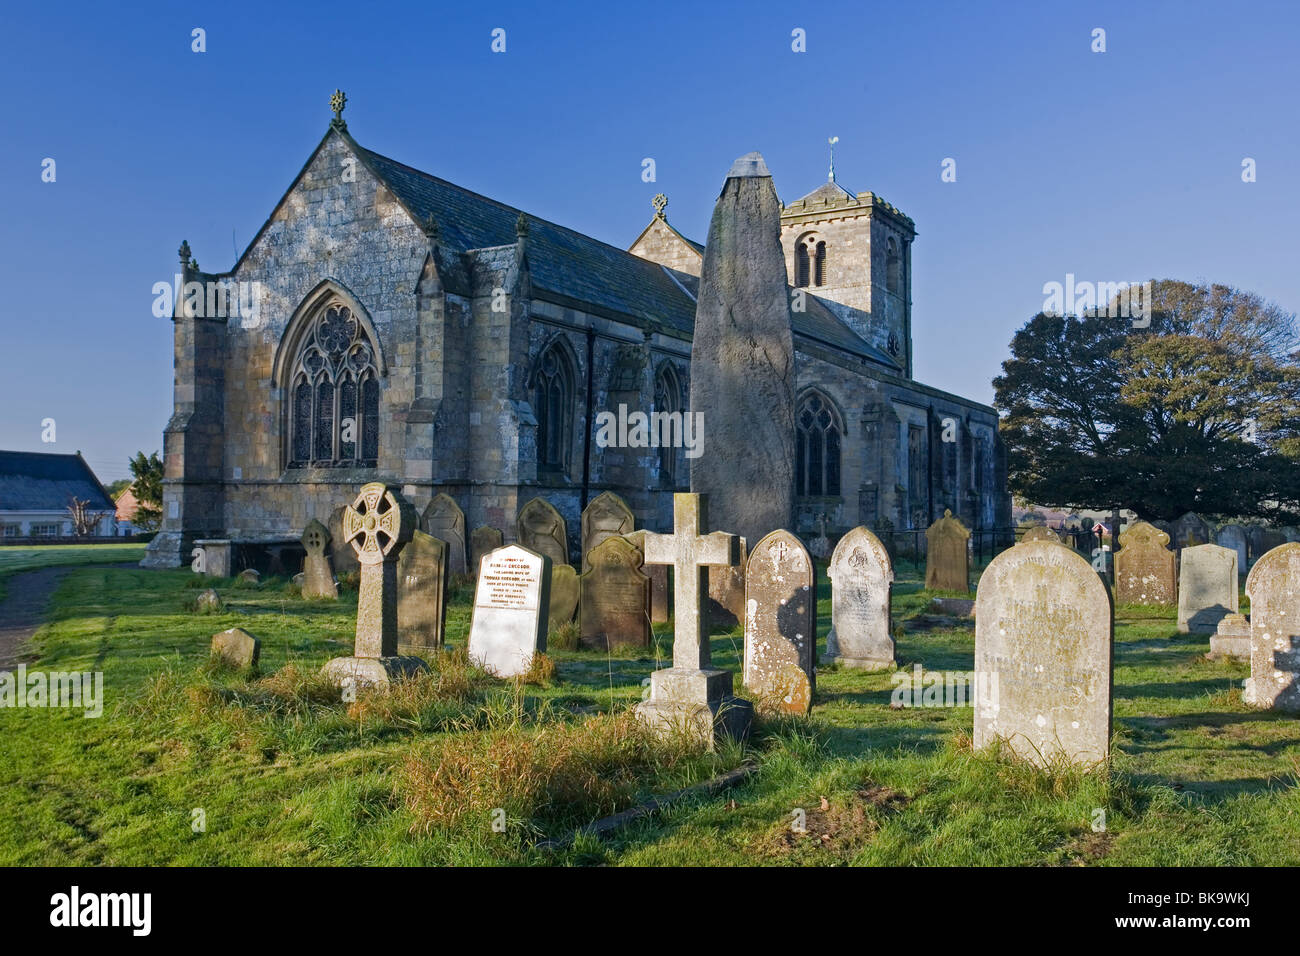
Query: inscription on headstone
(862, 578)
(1043, 627)
(1144, 567)
(615, 598)
(511, 605)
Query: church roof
(829, 191)
(35, 481)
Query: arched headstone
(1273, 587)
(608, 516)
(1043, 665)
(1144, 567)
(444, 519)
(947, 557)
(542, 529)
(780, 624)
(862, 579)
(483, 540)
(615, 608)
(317, 575)
(1234, 536)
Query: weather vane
(833, 140)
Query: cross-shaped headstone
(378, 525)
(690, 551)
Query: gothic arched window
(893, 267)
(668, 401)
(818, 437)
(334, 394)
(553, 404)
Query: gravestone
(947, 557)
(1190, 530)
(658, 575)
(482, 541)
(249, 576)
(1231, 638)
(1291, 534)
(742, 359)
(317, 575)
(208, 600)
(213, 557)
(237, 647)
(615, 598)
(422, 572)
(443, 519)
(780, 624)
(820, 546)
(511, 603)
(541, 528)
(565, 593)
(608, 516)
(1043, 629)
(1040, 532)
(1207, 587)
(1274, 590)
(342, 557)
(726, 601)
(377, 526)
(862, 577)
(692, 697)
(1234, 536)
(1144, 567)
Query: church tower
(855, 252)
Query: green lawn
(14, 559)
(284, 772)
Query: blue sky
(1113, 166)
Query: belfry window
(809, 262)
(334, 395)
(818, 436)
(893, 267)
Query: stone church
(409, 330)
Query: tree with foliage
(147, 488)
(1199, 411)
(115, 488)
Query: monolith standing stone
(780, 624)
(1274, 591)
(1043, 664)
(742, 360)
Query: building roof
(579, 271)
(829, 191)
(127, 505)
(34, 481)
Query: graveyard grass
(285, 773)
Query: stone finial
(660, 202)
(521, 225)
(184, 252)
(430, 227)
(337, 103)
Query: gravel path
(23, 610)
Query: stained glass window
(817, 448)
(328, 426)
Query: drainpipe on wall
(586, 438)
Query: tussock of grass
(563, 637)
(547, 775)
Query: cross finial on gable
(660, 202)
(337, 103)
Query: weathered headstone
(862, 577)
(208, 600)
(1207, 587)
(742, 359)
(443, 519)
(1190, 530)
(726, 600)
(691, 696)
(1231, 638)
(780, 624)
(947, 557)
(377, 526)
(1040, 532)
(1144, 567)
(565, 594)
(511, 604)
(317, 575)
(658, 575)
(342, 556)
(1043, 627)
(615, 598)
(236, 646)
(249, 576)
(422, 572)
(542, 529)
(1234, 536)
(481, 542)
(608, 516)
(1274, 590)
